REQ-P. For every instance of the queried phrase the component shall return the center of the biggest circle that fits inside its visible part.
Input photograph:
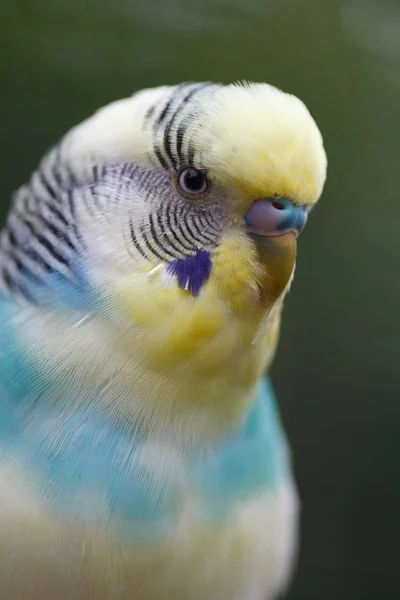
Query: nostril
(275, 216)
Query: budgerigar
(143, 270)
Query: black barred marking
(8, 279)
(72, 223)
(180, 215)
(164, 113)
(169, 221)
(53, 209)
(167, 146)
(71, 204)
(40, 236)
(205, 224)
(153, 251)
(62, 236)
(153, 230)
(157, 124)
(25, 268)
(176, 212)
(163, 126)
(135, 241)
(71, 178)
(179, 142)
(167, 235)
(200, 232)
(12, 238)
(39, 259)
(167, 133)
(33, 253)
(128, 170)
(189, 235)
(160, 157)
(51, 191)
(51, 250)
(180, 134)
(43, 235)
(149, 113)
(177, 216)
(15, 287)
(190, 242)
(175, 96)
(211, 225)
(144, 179)
(56, 165)
(159, 242)
(18, 263)
(190, 158)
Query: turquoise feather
(66, 454)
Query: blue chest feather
(86, 467)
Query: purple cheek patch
(191, 272)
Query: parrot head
(203, 186)
(174, 216)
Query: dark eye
(192, 182)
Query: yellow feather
(210, 351)
(214, 346)
(264, 143)
(253, 138)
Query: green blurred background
(337, 370)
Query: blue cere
(293, 217)
(269, 216)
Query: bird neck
(197, 384)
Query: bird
(143, 271)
